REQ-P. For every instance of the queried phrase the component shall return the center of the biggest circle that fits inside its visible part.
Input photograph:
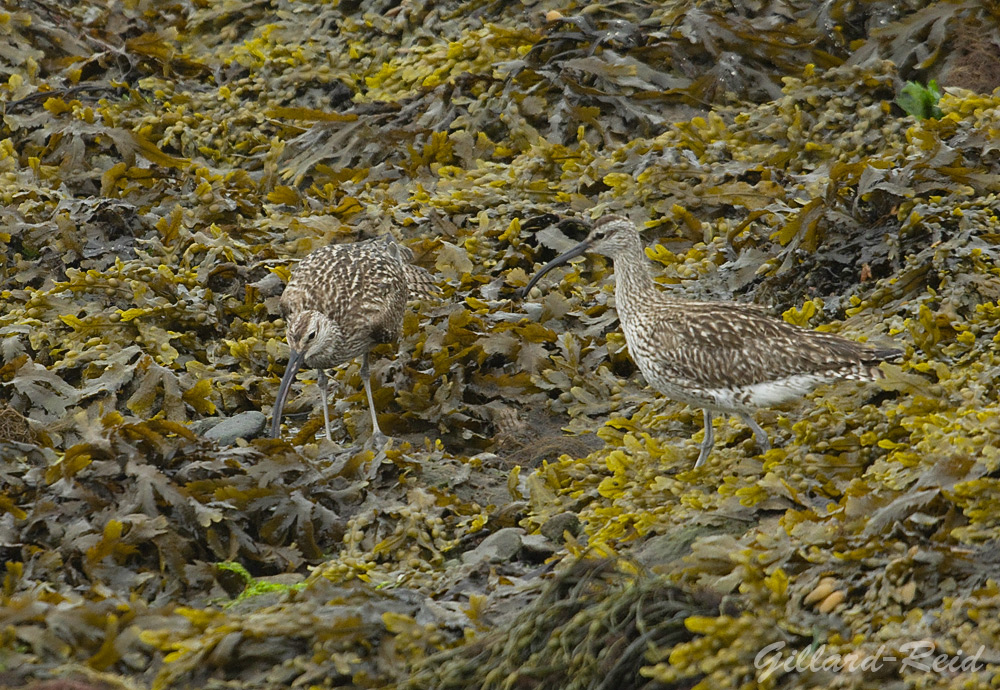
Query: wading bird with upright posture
(720, 356)
(341, 301)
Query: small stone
(558, 524)
(270, 285)
(502, 545)
(535, 548)
(243, 425)
(286, 579)
(200, 427)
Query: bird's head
(311, 337)
(310, 333)
(610, 235)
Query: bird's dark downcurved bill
(294, 363)
(558, 261)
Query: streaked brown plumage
(341, 301)
(719, 356)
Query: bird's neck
(633, 281)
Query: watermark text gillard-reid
(919, 655)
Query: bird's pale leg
(763, 442)
(706, 445)
(377, 434)
(326, 408)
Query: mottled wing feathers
(363, 287)
(337, 279)
(728, 345)
(420, 282)
(341, 279)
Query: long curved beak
(294, 363)
(558, 261)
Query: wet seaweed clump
(595, 620)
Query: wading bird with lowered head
(340, 302)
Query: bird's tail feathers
(420, 282)
(874, 356)
(882, 354)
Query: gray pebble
(502, 545)
(243, 425)
(556, 525)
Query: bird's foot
(760, 436)
(379, 441)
